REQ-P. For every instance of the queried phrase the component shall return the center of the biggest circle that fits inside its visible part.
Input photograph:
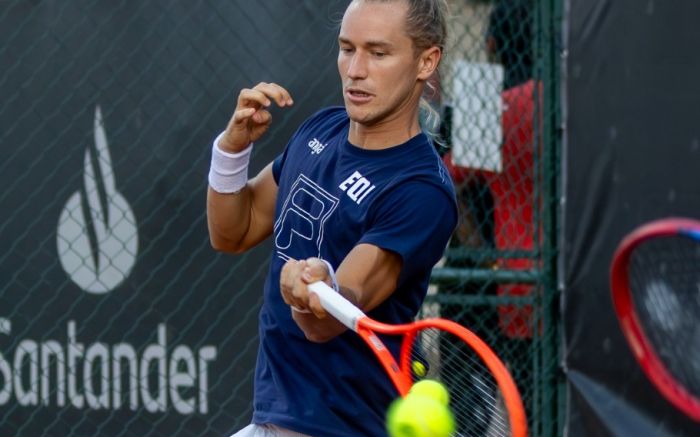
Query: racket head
(483, 396)
(655, 286)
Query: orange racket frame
(400, 373)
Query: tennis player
(359, 199)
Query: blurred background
(564, 124)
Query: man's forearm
(228, 218)
(239, 221)
(323, 330)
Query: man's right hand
(251, 119)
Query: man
(360, 190)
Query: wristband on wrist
(228, 172)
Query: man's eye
(379, 54)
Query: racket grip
(337, 305)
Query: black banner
(116, 315)
(632, 155)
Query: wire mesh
(116, 316)
(496, 277)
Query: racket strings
(479, 387)
(475, 398)
(664, 276)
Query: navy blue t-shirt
(332, 196)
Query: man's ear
(429, 61)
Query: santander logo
(97, 236)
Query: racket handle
(337, 305)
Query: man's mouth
(357, 95)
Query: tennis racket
(483, 397)
(655, 285)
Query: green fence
(499, 273)
(117, 317)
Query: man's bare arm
(237, 222)
(241, 213)
(367, 277)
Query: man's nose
(357, 68)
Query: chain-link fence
(498, 276)
(116, 316)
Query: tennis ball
(431, 389)
(418, 369)
(419, 416)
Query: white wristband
(228, 172)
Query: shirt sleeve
(415, 221)
(277, 165)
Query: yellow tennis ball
(419, 416)
(418, 369)
(431, 389)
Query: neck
(390, 132)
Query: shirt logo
(302, 219)
(316, 146)
(357, 187)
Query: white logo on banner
(97, 236)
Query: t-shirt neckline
(413, 142)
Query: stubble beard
(368, 116)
